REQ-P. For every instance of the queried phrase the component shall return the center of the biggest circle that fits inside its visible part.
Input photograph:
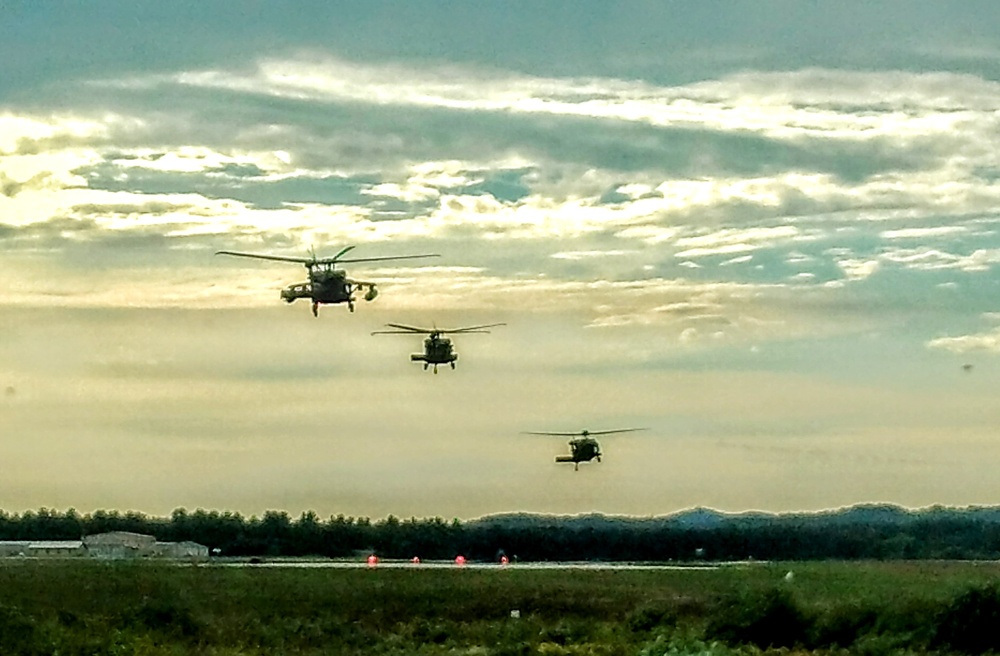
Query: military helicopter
(583, 448)
(326, 283)
(437, 349)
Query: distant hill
(701, 518)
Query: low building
(43, 549)
(122, 544)
(56, 549)
(119, 544)
(10, 548)
(180, 550)
(116, 545)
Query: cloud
(816, 102)
(930, 259)
(988, 342)
(729, 241)
(923, 233)
(858, 269)
(10, 187)
(585, 255)
(537, 183)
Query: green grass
(83, 607)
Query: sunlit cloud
(782, 105)
(923, 233)
(988, 342)
(858, 269)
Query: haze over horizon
(766, 232)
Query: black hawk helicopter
(326, 284)
(437, 349)
(583, 448)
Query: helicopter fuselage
(582, 449)
(327, 285)
(437, 350)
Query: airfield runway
(593, 566)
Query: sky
(767, 232)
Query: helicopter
(583, 448)
(437, 349)
(326, 283)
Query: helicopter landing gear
(350, 304)
(435, 368)
(315, 308)
(576, 466)
(453, 365)
(598, 458)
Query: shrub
(18, 634)
(768, 619)
(969, 623)
(843, 626)
(163, 616)
(647, 618)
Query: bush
(843, 626)
(18, 634)
(969, 623)
(165, 617)
(768, 619)
(648, 618)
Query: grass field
(85, 607)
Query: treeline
(904, 535)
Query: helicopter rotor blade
(411, 329)
(402, 328)
(396, 332)
(336, 258)
(333, 258)
(616, 430)
(313, 260)
(583, 433)
(474, 329)
(576, 434)
(277, 258)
